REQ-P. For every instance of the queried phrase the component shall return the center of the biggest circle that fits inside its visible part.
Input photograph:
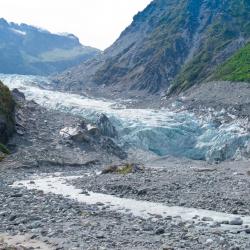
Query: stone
(3, 213)
(225, 222)
(167, 248)
(236, 221)
(100, 236)
(209, 241)
(159, 231)
(207, 219)
(142, 192)
(17, 195)
(76, 134)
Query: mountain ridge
(26, 49)
(172, 44)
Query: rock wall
(7, 104)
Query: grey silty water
(59, 185)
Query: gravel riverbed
(63, 223)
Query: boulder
(93, 130)
(76, 134)
(236, 221)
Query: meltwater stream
(163, 132)
(58, 185)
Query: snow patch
(19, 32)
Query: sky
(97, 23)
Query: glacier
(163, 132)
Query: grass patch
(7, 105)
(127, 169)
(4, 149)
(6, 101)
(64, 54)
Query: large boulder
(76, 134)
(94, 136)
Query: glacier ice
(163, 132)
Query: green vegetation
(6, 102)
(126, 169)
(123, 169)
(65, 54)
(4, 149)
(232, 22)
(237, 68)
(7, 105)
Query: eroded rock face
(106, 127)
(7, 106)
(18, 95)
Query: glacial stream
(58, 184)
(161, 132)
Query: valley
(142, 146)
(189, 184)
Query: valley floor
(173, 203)
(58, 220)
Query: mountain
(171, 45)
(26, 49)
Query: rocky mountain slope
(26, 49)
(6, 116)
(172, 44)
(236, 68)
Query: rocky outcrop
(171, 44)
(29, 50)
(96, 136)
(106, 127)
(7, 124)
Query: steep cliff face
(226, 31)
(6, 113)
(171, 45)
(26, 49)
